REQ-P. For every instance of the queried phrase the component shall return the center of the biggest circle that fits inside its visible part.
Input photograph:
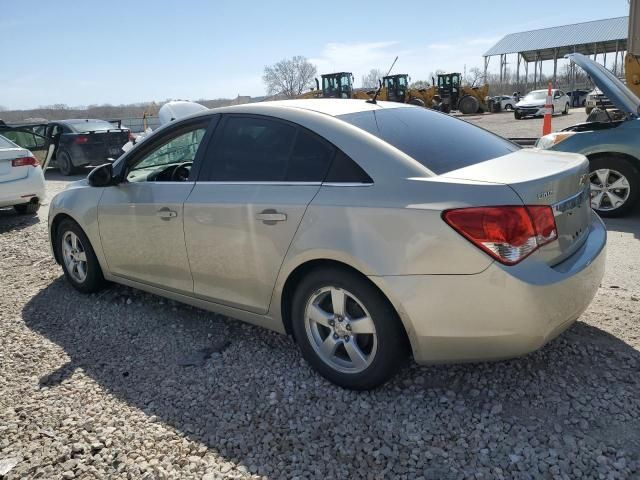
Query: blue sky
(94, 52)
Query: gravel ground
(124, 384)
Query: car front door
(558, 104)
(141, 219)
(259, 174)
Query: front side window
(180, 149)
(258, 149)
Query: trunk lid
(9, 173)
(102, 144)
(544, 178)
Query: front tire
(79, 262)
(517, 115)
(346, 329)
(566, 109)
(508, 106)
(615, 183)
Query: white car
(533, 103)
(507, 102)
(21, 178)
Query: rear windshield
(439, 142)
(91, 125)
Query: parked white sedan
(21, 178)
(507, 102)
(533, 104)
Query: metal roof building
(597, 37)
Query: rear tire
(612, 167)
(63, 159)
(358, 361)
(27, 208)
(417, 101)
(79, 262)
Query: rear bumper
(24, 189)
(500, 313)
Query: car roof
(328, 106)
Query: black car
(83, 142)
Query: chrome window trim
(283, 183)
(347, 184)
(310, 184)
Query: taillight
(24, 162)
(509, 234)
(81, 139)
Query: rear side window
(439, 142)
(257, 149)
(310, 158)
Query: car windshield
(439, 142)
(537, 95)
(91, 126)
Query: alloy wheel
(340, 330)
(74, 256)
(609, 189)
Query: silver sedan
(366, 231)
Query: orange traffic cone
(546, 125)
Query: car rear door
(259, 175)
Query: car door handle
(270, 216)
(166, 214)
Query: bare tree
(289, 77)
(370, 80)
(474, 77)
(418, 84)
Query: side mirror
(101, 176)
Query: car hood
(616, 91)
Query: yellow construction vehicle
(335, 85)
(456, 96)
(395, 88)
(446, 94)
(632, 58)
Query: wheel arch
(296, 275)
(633, 160)
(53, 232)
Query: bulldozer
(455, 96)
(395, 88)
(446, 94)
(632, 58)
(335, 85)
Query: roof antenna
(375, 95)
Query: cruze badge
(546, 194)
